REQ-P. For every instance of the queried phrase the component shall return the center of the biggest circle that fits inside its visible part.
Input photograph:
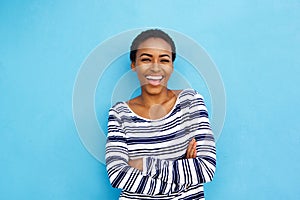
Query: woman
(159, 144)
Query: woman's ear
(132, 65)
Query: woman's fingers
(194, 151)
(191, 151)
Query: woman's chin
(154, 90)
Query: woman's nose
(155, 67)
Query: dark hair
(151, 33)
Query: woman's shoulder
(118, 107)
(189, 93)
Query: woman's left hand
(191, 151)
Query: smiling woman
(159, 144)
(154, 67)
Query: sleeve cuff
(149, 166)
(144, 172)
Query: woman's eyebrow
(146, 54)
(163, 55)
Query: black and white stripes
(162, 144)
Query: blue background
(255, 44)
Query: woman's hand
(191, 151)
(137, 163)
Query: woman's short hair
(151, 33)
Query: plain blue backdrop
(255, 45)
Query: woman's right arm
(123, 176)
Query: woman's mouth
(154, 80)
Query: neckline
(159, 119)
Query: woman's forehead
(155, 44)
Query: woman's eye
(146, 60)
(165, 61)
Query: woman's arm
(122, 175)
(185, 171)
(194, 170)
(191, 152)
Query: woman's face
(153, 65)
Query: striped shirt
(162, 143)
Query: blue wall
(255, 45)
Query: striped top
(162, 144)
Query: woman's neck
(161, 98)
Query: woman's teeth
(154, 80)
(154, 77)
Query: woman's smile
(154, 80)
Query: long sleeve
(189, 171)
(121, 175)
